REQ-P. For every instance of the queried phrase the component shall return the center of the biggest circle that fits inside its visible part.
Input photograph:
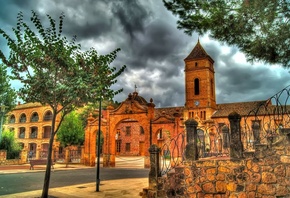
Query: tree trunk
(48, 164)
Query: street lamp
(99, 142)
(3, 107)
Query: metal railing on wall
(172, 153)
(212, 141)
(265, 123)
(262, 125)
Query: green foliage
(92, 108)
(71, 131)
(7, 93)
(56, 72)
(9, 144)
(259, 28)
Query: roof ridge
(198, 52)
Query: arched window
(141, 131)
(196, 86)
(21, 145)
(22, 118)
(46, 132)
(33, 132)
(12, 119)
(159, 134)
(21, 133)
(47, 116)
(34, 117)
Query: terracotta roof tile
(198, 53)
(28, 105)
(242, 108)
(169, 111)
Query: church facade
(136, 124)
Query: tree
(91, 109)
(71, 130)
(7, 94)
(55, 71)
(259, 28)
(9, 144)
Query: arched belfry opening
(196, 86)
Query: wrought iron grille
(171, 153)
(265, 123)
(75, 156)
(262, 125)
(212, 141)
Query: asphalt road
(22, 182)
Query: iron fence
(75, 156)
(265, 123)
(212, 141)
(172, 153)
(262, 125)
(59, 156)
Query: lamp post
(3, 107)
(150, 132)
(99, 142)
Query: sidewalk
(113, 188)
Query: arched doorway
(32, 150)
(44, 150)
(129, 138)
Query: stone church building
(136, 123)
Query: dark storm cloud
(152, 48)
(238, 81)
(86, 19)
(132, 16)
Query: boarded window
(128, 147)
(128, 130)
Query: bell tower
(200, 98)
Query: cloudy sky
(152, 48)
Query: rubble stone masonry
(264, 173)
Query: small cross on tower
(135, 88)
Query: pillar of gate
(23, 156)
(236, 146)
(225, 138)
(154, 172)
(82, 154)
(191, 151)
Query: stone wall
(264, 173)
